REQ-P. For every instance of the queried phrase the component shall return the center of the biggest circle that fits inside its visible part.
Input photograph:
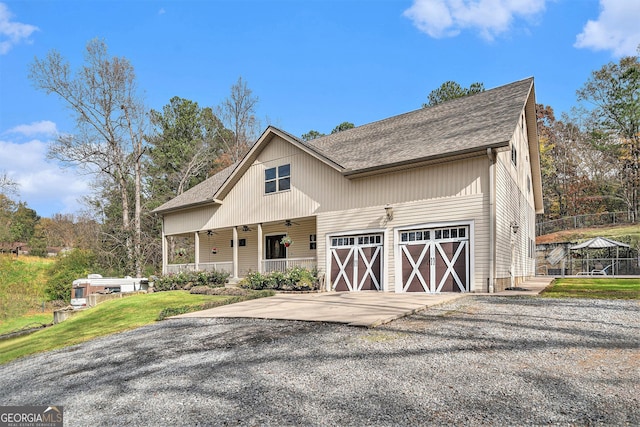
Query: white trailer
(96, 284)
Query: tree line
(139, 159)
(590, 156)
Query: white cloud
(446, 18)
(162, 11)
(11, 32)
(43, 185)
(44, 127)
(617, 28)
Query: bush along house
(441, 199)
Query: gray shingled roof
(200, 193)
(472, 123)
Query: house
(441, 199)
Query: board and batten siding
(188, 221)
(515, 203)
(317, 188)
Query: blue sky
(313, 64)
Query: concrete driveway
(368, 309)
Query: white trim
(260, 248)
(384, 286)
(434, 225)
(235, 251)
(264, 240)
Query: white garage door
(435, 259)
(356, 262)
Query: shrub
(294, 279)
(206, 290)
(69, 267)
(190, 279)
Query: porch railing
(179, 268)
(203, 266)
(270, 265)
(226, 267)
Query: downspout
(492, 220)
(165, 256)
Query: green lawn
(108, 318)
(22, 283)
(25, 322)
(603, 288)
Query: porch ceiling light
(388, 209)
(246, 228)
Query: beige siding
(299, 233)
(248, 256)
(221, 241)
(316, 188)
(188, 220)
(515, 203)
(472, 209)
(424, 196)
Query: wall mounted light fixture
(514, 227)
(388, 209)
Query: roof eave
(423, 161)
(186, 207)
(534, 150)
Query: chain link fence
(582, 221)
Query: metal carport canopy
(600, 243)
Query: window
(514, 155)
(312, 241)
(277, 179)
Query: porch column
(165, 253)
(235, 252)
(260, 248)
(197, 254)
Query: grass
(25, 322)
(616, 232)
(602, 288)
(22, 283)
(108, 318)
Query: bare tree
(237, 113)
(7, 185)
(110, 121)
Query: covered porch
(241, 249)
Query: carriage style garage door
(435, 260)
(356, 262)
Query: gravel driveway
(478, 360)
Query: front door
(275, 249)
